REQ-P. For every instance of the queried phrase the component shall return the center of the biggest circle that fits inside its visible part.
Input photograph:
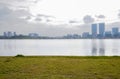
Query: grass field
(59, 67)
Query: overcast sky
(57, 17)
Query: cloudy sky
(57, 17)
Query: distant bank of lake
(62, 47)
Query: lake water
(62, 47)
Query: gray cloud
(28, 18)
(4, 12)
(38, 19)
(13, 1)
(46, 16)
(42, 17)
(73, 21)
(8, 14)
(119, 15)
(100, 16)
(16, 4)
(88, 19)
(12, 17)
(21, 13)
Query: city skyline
(98, 31)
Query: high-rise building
(9, 34)
(75, 36)
(34, 35)
(85, 35)
(108, 34)
(115, 31)
(94, 30)
(14, 34)
(101, 29)
(5, 34)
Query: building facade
(94, 30)
(101, 29)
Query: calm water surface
(79, 47)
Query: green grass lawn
(59, 67)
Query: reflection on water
(81, 47)
(94, 48)
(115, 49)
(98, 48)
(101, 48)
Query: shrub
(19, 55)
